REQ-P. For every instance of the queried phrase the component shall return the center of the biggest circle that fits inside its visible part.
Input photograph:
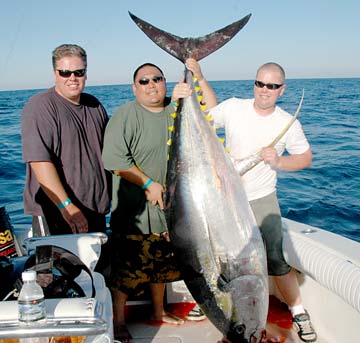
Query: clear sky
(310, 38)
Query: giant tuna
(211, 226)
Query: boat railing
(54, 327)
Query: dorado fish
(211, 226)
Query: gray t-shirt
(136, 136)
(70, 136)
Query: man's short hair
(66, 50)
(146, 65)
(273, 65)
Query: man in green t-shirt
(135, 150)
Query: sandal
(122, 334)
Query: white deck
(330, 287)
(188, 332)
(203, 332)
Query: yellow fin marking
(169, 142)
(173, 115)
(171, 128)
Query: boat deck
(328, 269)
(279, 327)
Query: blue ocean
(326, 195)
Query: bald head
(273, 68)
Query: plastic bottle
(31, 305)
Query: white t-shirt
(247, 132)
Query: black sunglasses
(67, 73)
(156, 79)
(267, 85)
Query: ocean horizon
(171, 83)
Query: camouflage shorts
(138, 260)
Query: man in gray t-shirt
(66, 187)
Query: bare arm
(288, 163)
(49, 181)
(153, 192)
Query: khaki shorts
(267, 214)
(138, 260)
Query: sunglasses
(156, 79)
(267, 85)
(67, 73)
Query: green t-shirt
(136, 136)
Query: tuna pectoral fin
(229, 270)
(197, 48)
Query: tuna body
(213, 230)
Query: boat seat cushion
(86, 246)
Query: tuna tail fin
(184, 48)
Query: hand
(154, 194)
(75, 218)
(194, 67)
(180, 91)
(271, 157)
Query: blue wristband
(147, 184)
(64, 203)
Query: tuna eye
(236, 333)
(240, 329)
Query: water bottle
(31, 306)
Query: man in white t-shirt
(251, 125)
